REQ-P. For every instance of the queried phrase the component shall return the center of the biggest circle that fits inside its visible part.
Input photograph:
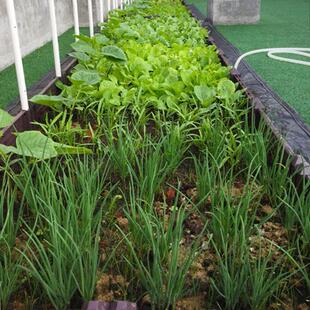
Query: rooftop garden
(149, 180)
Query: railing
(111, 5)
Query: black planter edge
(23, 119)
(284, 121)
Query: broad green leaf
(205, 94)
(4, 149)
(186, 76)
(226, 88)
(5, 119)
(81, 46)
(54, 102)
(139, 66)
(35, 144)
(86, 76)
(114, 52)
(109, 90)
(80, 56)
(101, 39)
(125, 31)
(84, 38)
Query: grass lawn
(284, 23)
(36, 65)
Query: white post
(109, 6)
(101, 11)
(76, 18)
(55, 38)
(90, 17)
(17, 55)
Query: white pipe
(101, 11)
(76, 19)
(55, 38)
(271, 51)
(17, 55)
(90, 17)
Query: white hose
(302, 51)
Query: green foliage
(185, 166)
(54, 102)
(9, 263)
(85, 76)
(5, 119)
(137, 66)
(114, 53)
(36, 145)
(163, 272)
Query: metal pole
(90, 17)
(17, 55)
(76, 18)
(55, 38)
(101, 11)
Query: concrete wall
(230, 12)
(34, 24)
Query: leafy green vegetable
(101, 39)
(226, 88)
(54, 102)
(148, 62)
(205, 94)
(86, 76)
(114, 53)
(84, 47)
(80, 56)
(36, 145)
(5, 118)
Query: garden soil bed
(160, 207)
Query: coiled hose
(301, 51)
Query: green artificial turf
(201, 5)
(36, 65)
(284, 23)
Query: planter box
(23, 119)
(284, 121)
(232, 12)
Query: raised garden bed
(178, 206)
(284, 121)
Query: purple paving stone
(102, 305)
